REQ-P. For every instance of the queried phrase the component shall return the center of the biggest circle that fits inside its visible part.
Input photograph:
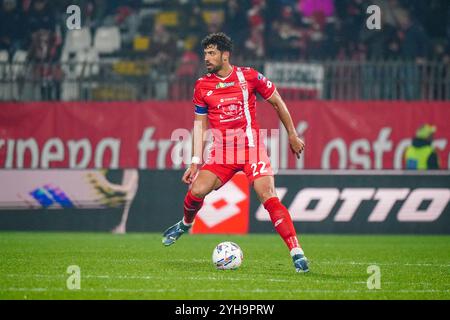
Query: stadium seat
(4, 75)
(141, 43)
(4, 59)
(210, 16)
(20, 56)
(18, 70)
(167, 18)
(107, 40)
(83, 64)
(91, 60)
(77, 40)
(18, 66)
(4, 56)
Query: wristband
(195, 160)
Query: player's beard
(215, 69)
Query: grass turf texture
(137, 266)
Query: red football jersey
(230, 103)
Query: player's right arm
(200, 125)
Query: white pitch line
(32, 289)
(150, 277)
(318, 262)
(313, 262)
(90, 276)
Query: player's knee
(266, 195)
(199, 190)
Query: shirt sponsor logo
(228, 99)
(222, 85)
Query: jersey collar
(225, 78)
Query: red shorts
(254, 162)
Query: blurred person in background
(254, 46)
(12, 26)
(41, 17)
(414, 43)
(414, 47)
(316, 37)
(353, 19)
(191, 19)
(186, 70)
(287, 40)
(44, 54)
(237, 24)
(45, 49)
(162, 49)
(215, 23)
(421, 155)
(162, 57)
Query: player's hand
(297, 145)
(190, 174)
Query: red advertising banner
(338, 135)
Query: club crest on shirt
(231, 112)
(222, 85)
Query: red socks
(192, 205)
(282, 222)
(279, 215)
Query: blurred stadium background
(86, 143)
(149, 49)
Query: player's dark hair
(220, 39)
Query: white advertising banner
(290, 75)
(57, 189)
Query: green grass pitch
(138, 266)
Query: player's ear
(226, 56)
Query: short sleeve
(263, 86)
(200, 105)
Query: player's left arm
(297, 144)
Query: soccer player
(226, 98)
